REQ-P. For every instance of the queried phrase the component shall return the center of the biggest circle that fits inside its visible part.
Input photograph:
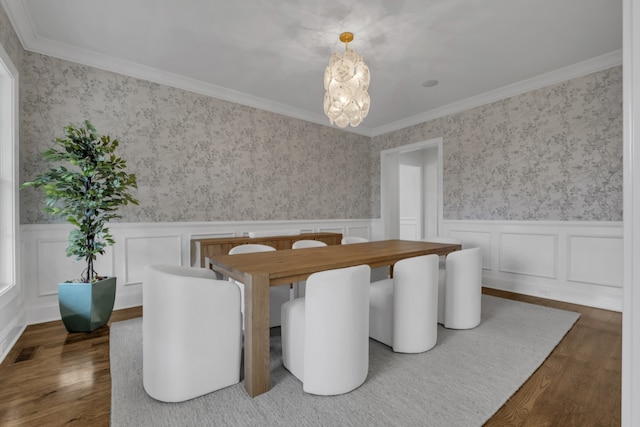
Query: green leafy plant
(86, 189)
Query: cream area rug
(462, 381)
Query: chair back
(353, 239)
(336, 344)
(176, 355)
(447, 240)
(307, 244)
(249, 248)
(463, 289)
(277, 295)
(415, 304)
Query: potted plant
(86, 186)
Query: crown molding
(583, 68)
(143, 72)
(21, 21)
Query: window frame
(9, 184)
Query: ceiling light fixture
(346, 81)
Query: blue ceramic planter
(85, 307)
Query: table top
(291, 265)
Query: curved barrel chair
(376, 273)
(325, 336)
(191, 332)
(300, 244)
(403, 311)
(250, 248)
(277, 294)
(442, 239)
(463, 289)
(300, 287)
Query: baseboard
(9, 340)
(606, 299)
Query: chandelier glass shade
(346, 81)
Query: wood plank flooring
(52, 378)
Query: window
(8, 178)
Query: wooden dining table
(260, 270)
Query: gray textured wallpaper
(549, 154)
(197, 158)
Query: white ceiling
(271, 54)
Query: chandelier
(346, 80)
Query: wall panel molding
(137, 244)
(143, 250)
(355, 230)
(50, 252)
(574, 261)
(583, 256)
(531, 254)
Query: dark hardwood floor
(52, 378)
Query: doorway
(411, 190)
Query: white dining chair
(300, 244)
(403, 311)
(277, 294)
(300, 287)
(443, 239)
(378, 273)
(442, 272)
(191, 332)
(462, 289)
(325, 336)
(250, 248)
(347, 240)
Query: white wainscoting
(45, 264)
(409, 228)
(578, 262)
(572, 261)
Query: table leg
(256, 334)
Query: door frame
(389, 201)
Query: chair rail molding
(573, 261)
(45, 264)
